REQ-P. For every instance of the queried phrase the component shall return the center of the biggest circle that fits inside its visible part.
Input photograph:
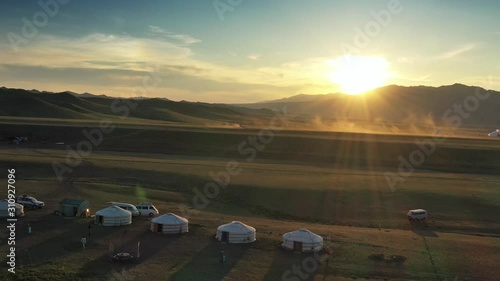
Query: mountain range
(69, 105)
(399, 104)
(475, 106)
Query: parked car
(147, 209)
(417, 215)
(126, 206)
(30, 201)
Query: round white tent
(235, 232)
(113, 216)
(4, 208)
(169, 224)
(302, 240)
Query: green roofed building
(73, 207)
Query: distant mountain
(390, 105)
(398, 104)
(88, 95)
(69, 105)
(299, 98)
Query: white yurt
(113, 216)
(4, 208)
(169, 224)
(302, 240)
(235, 232)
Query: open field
(330, 183)
(252, 140)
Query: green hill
(65, 105)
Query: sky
(241, 51)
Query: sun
(357, 74)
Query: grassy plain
(331, 183)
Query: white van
(147, 209)
(127, 206)
(417, 215)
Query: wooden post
(326, 267)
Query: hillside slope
(23, 103)
(398, 104)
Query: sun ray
(357, 74)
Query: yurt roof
(418, 210)
(113, 211)
(170, 218)
(236, 227)
(303, 235)
(74, 202)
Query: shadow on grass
(206, 265)
(150, 245)
(422, 229)
(41, 224)
(64, 244)
(288, 265)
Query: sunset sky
(252, 51)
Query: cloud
(457, 51)
(419, 79)
(254, 57)
(405, 60)
(123, 83)
(488, 82)
(185, 39)
(97, 50)
(107, 53)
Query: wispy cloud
(420, 79)
(99, 51)
(112, 53)
(488, 82)
(406, 59)
(124, 52)
(457, 51)
(183, 38)
(254, 56)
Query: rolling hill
(398, 104)
(68, 105)
(391, 107)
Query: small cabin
(73, 207)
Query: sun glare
(356, 74)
